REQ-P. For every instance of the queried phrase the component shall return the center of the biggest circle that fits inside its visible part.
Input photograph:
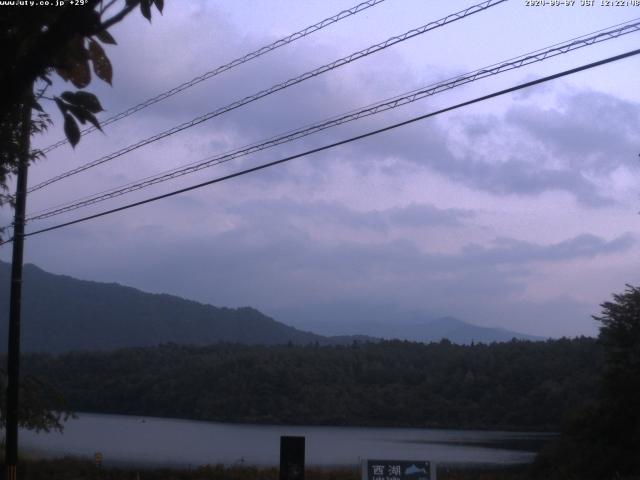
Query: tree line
(519, 385)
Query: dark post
(13, 357)
(291, 458)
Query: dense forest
(514, 385)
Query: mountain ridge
(62, 313)
(395, 323)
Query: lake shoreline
(442, 427)
(154, 441)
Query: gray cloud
(565, 147)
(270, 262)
(588, 131)
(509, 251)
(334, 213)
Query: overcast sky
(519, 212)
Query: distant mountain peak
(396, 323)
(446, 321)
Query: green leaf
(80, 74)
(92, 19)
(145, 8)
(71, 130)
(105, 37)
(84, 116)
(101, 64)
(94, 121)
(68, 97)
(85, 99)
(72, 63)
(160, 5)
(79, 112)
(61, 105)
(77, 73)
(78, 61)
(64, 73)
(89, 101)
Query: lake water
(184, 443)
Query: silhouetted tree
(40, 41)
(43, 408)
(37, 42)
(620, 408)
(602, 440)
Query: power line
(275, 88)
(223, 68)
(341, 142)
(385, 105)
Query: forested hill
(514, 385)
(60, 313)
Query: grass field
(78, 469)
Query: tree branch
(104, 8)
(117, 17)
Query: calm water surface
(158, 441)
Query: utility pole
(13, 357)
